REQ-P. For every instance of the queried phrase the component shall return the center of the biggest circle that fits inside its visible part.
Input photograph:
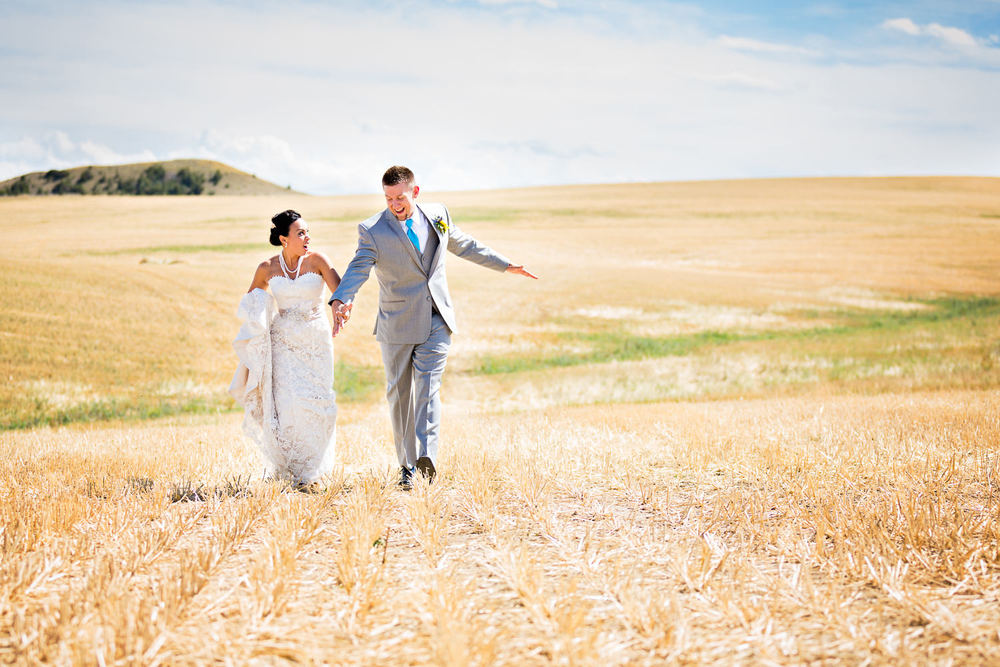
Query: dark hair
(396, 175)
(280, 224)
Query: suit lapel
(397, 227)
(442, 242)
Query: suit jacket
(407, 289)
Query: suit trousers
(413, 388)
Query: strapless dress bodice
(301, 295)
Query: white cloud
(948, 35)
(955, 46)
(953, 36)
(56, 150)
(25, 148)
(274, 159)
(746, 44)
(903, 25)
(96, 153)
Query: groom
(405, 243)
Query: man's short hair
(396, 175)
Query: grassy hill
(173, 177)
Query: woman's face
(297, 241)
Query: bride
(285, 347)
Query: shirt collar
(415, 214)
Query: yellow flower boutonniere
(440, 224)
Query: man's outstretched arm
(466, 247)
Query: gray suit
(415, 317)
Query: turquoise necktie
(412, 234)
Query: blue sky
(497, 93)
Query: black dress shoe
(426, 468)
(405, 478)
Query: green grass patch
(107, 409)
(352, 383)
(606, 347)
(942, 309)
(619, 345)
(357, 383)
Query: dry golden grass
(781, 530)
(124, 306)
(746, 422)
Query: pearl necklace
(284, 267)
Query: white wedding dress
(285, 377)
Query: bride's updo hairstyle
(280, 224)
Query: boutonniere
(440, 224)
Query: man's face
(399, 198)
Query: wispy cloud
(954, 45)
(948, 35)
(757, 46)
(902, 25)
(55, 149)
(275, 159)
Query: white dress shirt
(421, 227)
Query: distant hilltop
(173, 177)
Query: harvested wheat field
(749, 422)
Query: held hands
(521, 271)
(341, 313)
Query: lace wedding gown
(285, 377)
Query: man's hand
(341, 313)
(521, 271)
